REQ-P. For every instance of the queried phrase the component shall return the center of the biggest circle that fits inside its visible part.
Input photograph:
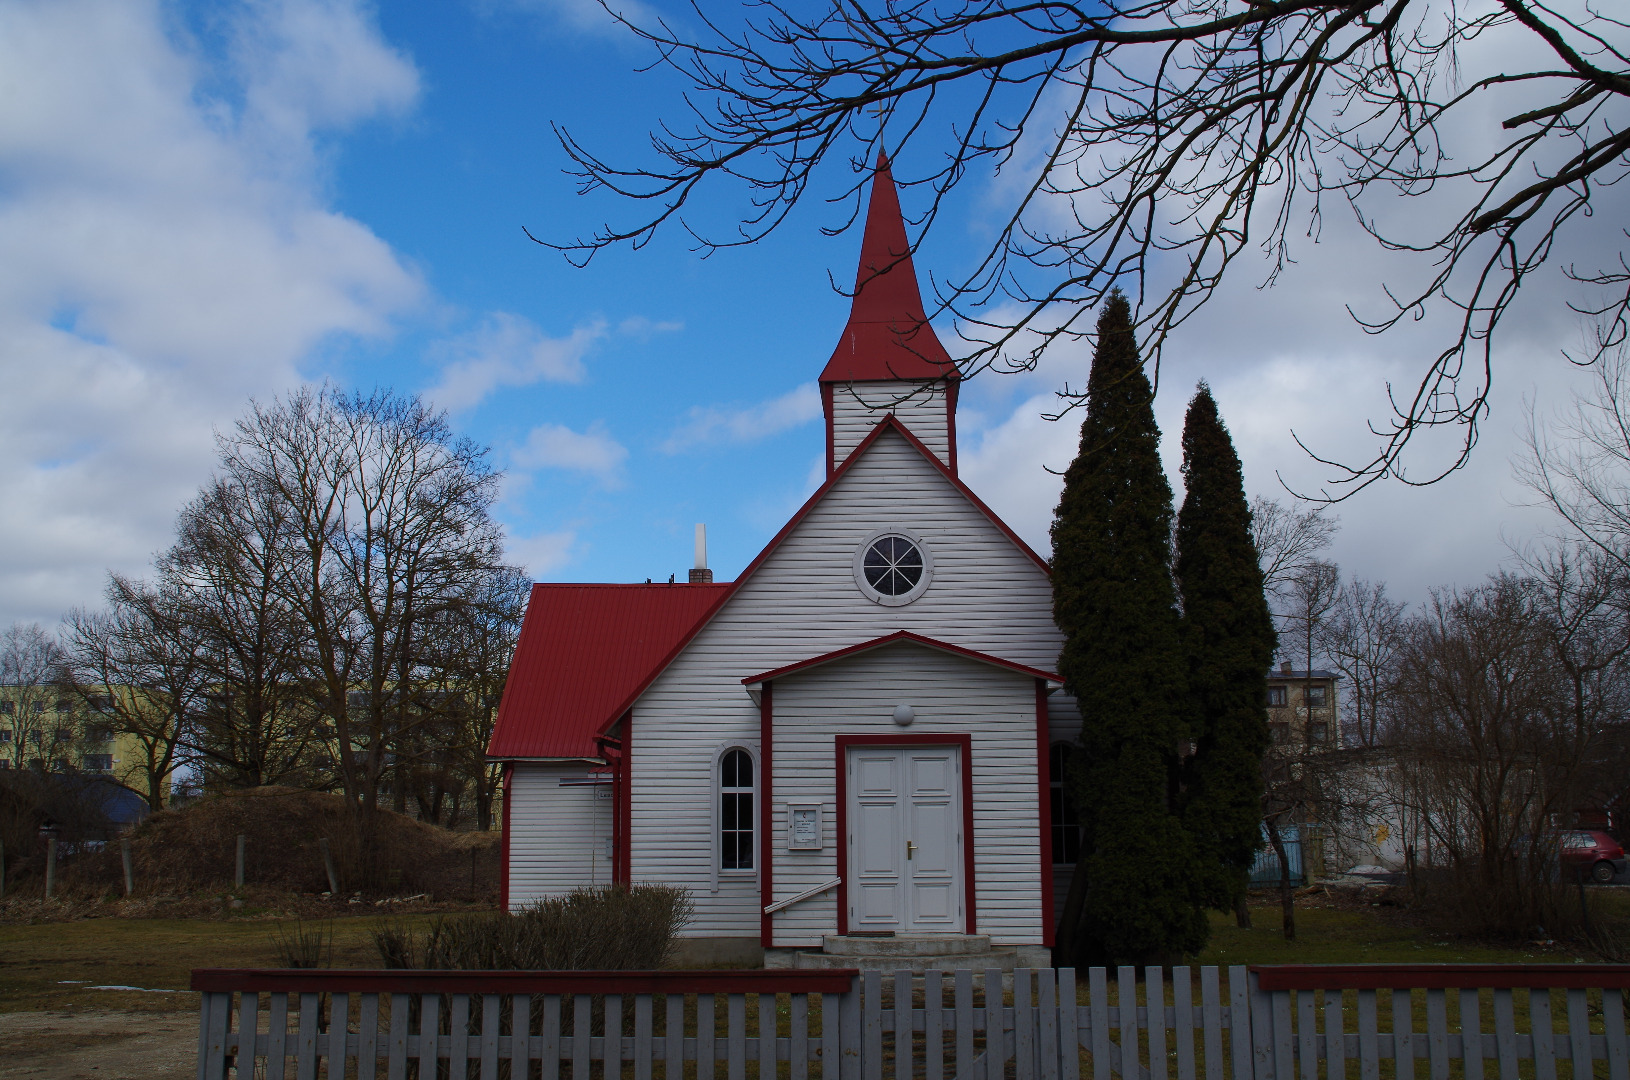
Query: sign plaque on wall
(804, 827)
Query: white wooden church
(860, 734)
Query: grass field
(56, 965)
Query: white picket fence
(1266, 1023)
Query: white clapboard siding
(920, 406)
(559, 837)
(987, 595)
(950, 695)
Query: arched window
(1066, 826)
(736, 810)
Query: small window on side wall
(1276, 697)
(736, 791)
(1066, 827)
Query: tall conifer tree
(1228, 643)
(1113, 597)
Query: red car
(1593, 851)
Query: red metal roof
(890, 639)
(888, 336)
(583, 649)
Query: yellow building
(1302, 708)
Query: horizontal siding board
(987, 595)
(858, 407)
(557, 835)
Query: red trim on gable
(831, 432)
(1044, 798)
(503, 841)
(898, 636)
(841, 745)
(888, 423)
(766, 881)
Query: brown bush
(602, 928)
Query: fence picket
(1069, 1039)
(1307, 1034)
(1126, 977)
(964, 1025)
(1047, 1024)
(1618, 1055)
(217, 1016)
(1098, 1009)
(1024, 1033)
(1437, 1034)
(798, 1036)
(849, 1033)
(582, 1018)
(1211, 1021)
(520, 1033)
(1335, 1038)
(429, 1025)
(611, 1053)
(1183, 1021)
(1579, 1034)
(901, 1023)
(549, 1031)
(339, 1026)
(1471, 1035)
(1539, 1014)
(1369, 1052)
(1154, 995)
(642, 1037)
(767, 1034)
(490, 1006)
(367, 1037)
(673, 1037)
(1403, 1035)
(735, 1037)
(305, 1057)
(277, 1038)
(996, 1044)
(1284, 1045)
(458, 1027)
(248, 1029)
(707, 1053)
(1505, 1033)
(933, 1024)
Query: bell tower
(888, 359)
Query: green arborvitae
(1228, 642)
(1132, 896)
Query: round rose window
(893, 567)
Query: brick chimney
(700, 574)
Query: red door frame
(965, 743)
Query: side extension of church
(861, 733)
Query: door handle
(910, 847)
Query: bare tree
(1288, 539)
(1151, 142)
(1363, 638)
(388, 528)
(1578, 464)
(137, 666)
(1497, 752)
(32, 671)
(260, 722)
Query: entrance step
(899, 945)
(1001, 957)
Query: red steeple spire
(888, 336)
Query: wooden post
(50, 866)
(237, 878)
(130, 869)
(328, 864)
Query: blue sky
(205, 203)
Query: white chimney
(700, 574)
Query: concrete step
(1003, 958)
(903, 945)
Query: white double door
(905, 839)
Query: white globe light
(903, 715)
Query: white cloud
(713, 424)
(555, 446)
(508, 350)
(169, 253)
(540, 553)
(583, 16)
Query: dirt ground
(91, 1044)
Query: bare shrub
(602, 928)
(306, 946)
